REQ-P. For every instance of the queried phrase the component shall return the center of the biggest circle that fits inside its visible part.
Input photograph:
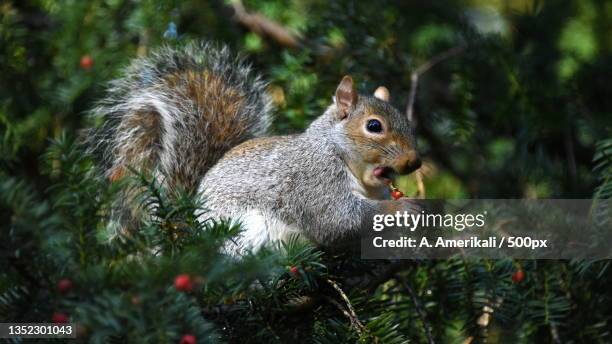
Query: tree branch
(422, 69)
(414, 82)
(419, 309)
(269, 29)
(350, 313)
(264, 27)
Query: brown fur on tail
(177, 112)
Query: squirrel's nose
(408, 163)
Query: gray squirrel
(196, 117)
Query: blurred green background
(518, 113)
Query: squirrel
(198, 118)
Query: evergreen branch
(353, 320)
(419, 308)
(390, 272)
(351, 311)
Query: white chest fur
(260, 229)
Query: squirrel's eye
(374, 126)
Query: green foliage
(603, 168)
(123, 288)
(524, 111)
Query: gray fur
(276, 186)
(179, 146)
(301, 180)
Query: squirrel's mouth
(384, 173)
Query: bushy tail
(176, 112)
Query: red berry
(183, 282)
(86, 62)
(64, 286)
(188, 339)
(518, 276)
(59, 318)
(396, 194)
(294, 271)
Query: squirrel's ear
(382, 93)
(346, 96)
